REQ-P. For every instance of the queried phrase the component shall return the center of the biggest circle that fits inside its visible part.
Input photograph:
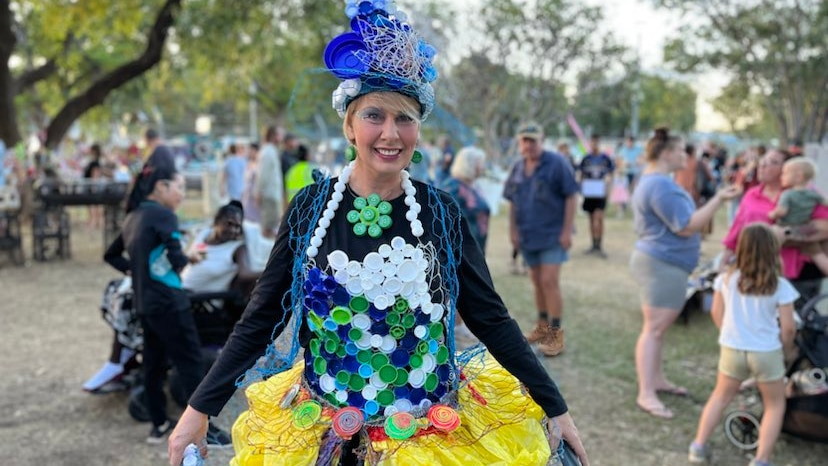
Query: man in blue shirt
(596, 177)
(630, 153)
(543, 194)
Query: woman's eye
(404, 119)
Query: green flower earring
(350, 153)
(417, 157)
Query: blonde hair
(467, 163)
(805, 166)
(757, 259)
(394, 101)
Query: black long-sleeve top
(150, 236)
(478, 303)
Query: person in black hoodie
(151, 239)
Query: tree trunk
(100, 89)
(9, 132)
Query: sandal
(656, 411)
(674, 390)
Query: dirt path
(54, 338)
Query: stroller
(699, 292)
(806, 413)
(215, 315)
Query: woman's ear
(349, 133)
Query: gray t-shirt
(800, 204)
(661, 209)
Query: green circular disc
(385, 397)
(401, 305)
(402, 377)
(330, 346)
(378, 361)
(319, 366)
(388, 373)
(358, 304)
(384, 208)
(442, 355)
(409, 320)
(435, 330)
(417, 157)
(374, 199)
(385, 222)
(393, 318)
(415, 361)
(422, 347)
(352, 216)
(360, 203)
(343, 377)
(364, 356)
(360, 229)
(431, 382)
(354, 334)
(340, 351)
(397, 332)
(315, 346)
(356, 383)
(369, 214)
(374, 231)
(341, 315)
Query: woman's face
(675, 156)
(770, 167)
(229, 227)
(384, 137)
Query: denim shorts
(765, 366)
(553, 256)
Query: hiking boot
(698, 454)
(157, 433)
(553, 344)
(217, 438)
(540, 332)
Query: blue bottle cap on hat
(365, 370)
(417, 395)
(351, 364)
(341, 58)
(402, 393)
(399, 357)
(371, 407)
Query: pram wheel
(138, 404)
(742, 429)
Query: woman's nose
(389, 129)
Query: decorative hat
(380, 53)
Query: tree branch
(98, 91)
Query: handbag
(564, 456)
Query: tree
(63, 43)
(777, 48)
(518, 67)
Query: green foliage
(776, 48)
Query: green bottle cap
(374, 199)
(442, 355)
(397, 332)
(354, 334)
(393, 318)
(341, 315)
(360, 229)
(422, 347)
(435, 330)
(388, 373)
(364, 356)
(369, 214)
(378, 361)
(360, 203)
(358, 304)
(431, 382)
(352, 216)
(315, 346)
(384, 208)
(385, 222)
(401, 305)
(409, 320)
(330, 346)
(319, 366)
(385, 397)
(343, 377)
(415, 361)
(374, 231)
(356, 383)
(341, 352)
(402, 377)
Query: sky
(640, 26)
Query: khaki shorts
(764, 366)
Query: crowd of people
(384, 269)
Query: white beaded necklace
(337, 196)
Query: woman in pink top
(755, 207)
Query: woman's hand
(564, 427)
(191, 428)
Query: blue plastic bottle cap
(340, 56)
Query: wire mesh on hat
(380, 53)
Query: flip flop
(657, 411)
(675, 391)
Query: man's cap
(530, 130)
(151, 134)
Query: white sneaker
(107, 373)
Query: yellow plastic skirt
(499, 425)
